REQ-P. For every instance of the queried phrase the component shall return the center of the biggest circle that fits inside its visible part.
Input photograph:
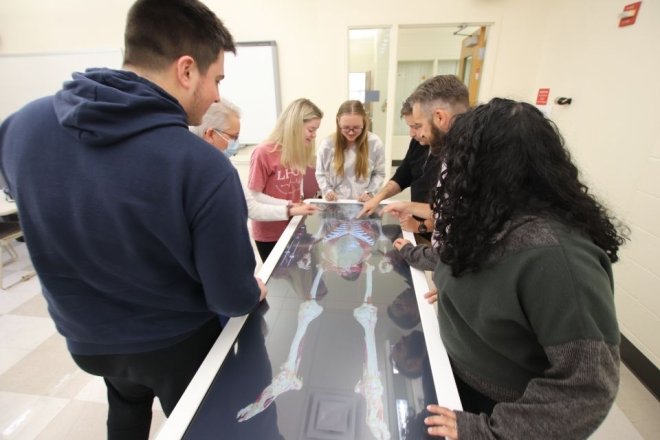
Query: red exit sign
(542, 97)
(629, 14)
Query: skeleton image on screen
(350, 248)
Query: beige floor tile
(35, 306)
(9, 357)
(32, 284)
(55, 343)
(13, 278)
(639, 405)
(17, 295)
(94, 391)
(80, 420)
(23, 416)
(13, 272)
(77, 421)
(45, 372)
(616, 426)
(87, 420)
(24, 332)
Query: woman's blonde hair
(361, 143)
(288, 133)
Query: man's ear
(442, 119)
(208, 135)
(186, 70)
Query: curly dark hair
(505, 159)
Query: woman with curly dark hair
(524, 282)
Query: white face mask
(232, 148)
(233, 145)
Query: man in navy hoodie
(135, 226)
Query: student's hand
(408, 223)
(262, 288)
(431, 296)
(368, 207)
(400, 242)
(365, 196)
(442, 422)
(302, 209)
(331, 196)
(397, 209)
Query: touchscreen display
(336, 351)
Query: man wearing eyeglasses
(221, 127)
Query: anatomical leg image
(343, 248)
(287, 379)
(371, 386)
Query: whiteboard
(26, 77)
(252, 83)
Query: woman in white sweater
(221, 127)
(350, 164)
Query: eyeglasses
(351, 129)
(226, 136)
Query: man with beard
(428, 112)
(435, 102)
(136, 227)
(418, 170)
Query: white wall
(574, 47)
(442, 44)
(362, 56)
(613, 132)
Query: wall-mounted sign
(542, 97)
(629, 14)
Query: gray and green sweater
(536, 331)
(422, 256)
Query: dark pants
(133, 380)
(265, 248)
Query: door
(472, 58)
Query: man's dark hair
(406, 108)
(416, 349)
(405, 321)
(445, 90)
(158, 32)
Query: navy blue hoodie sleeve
(222, 250)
